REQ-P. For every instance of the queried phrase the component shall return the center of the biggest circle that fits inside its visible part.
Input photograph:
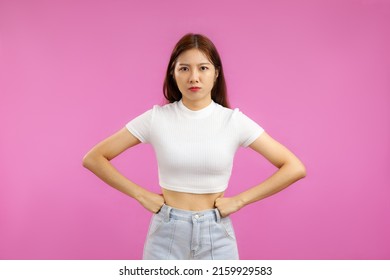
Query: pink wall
(314, 74)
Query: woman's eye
(203, 68)
(183, 69)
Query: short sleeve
(140, 126)
(248, 130)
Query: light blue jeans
(176, 234)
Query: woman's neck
(196, 105)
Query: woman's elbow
(300, 170)
(86, 161)
(89, 160)
(296, 169)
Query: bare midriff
(190, 201)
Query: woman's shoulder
(231, 112)
(165, 108)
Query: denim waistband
(169, 213)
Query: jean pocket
(227, 227)
(155, 224)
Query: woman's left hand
(228, 205)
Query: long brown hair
(204, 44)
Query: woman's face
(195, 76)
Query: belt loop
(167, 214)
(217, 215)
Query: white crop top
(194, 149)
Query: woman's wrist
(241, 200)
(140, 195)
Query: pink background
(314, 74)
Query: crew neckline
(198, 114)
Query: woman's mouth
(194, 88)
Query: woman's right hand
(152, 201)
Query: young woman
(195, 137)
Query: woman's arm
(290, 170)
(98, 159)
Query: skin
(194, 69)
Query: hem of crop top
(191, 190)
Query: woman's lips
(194, 88)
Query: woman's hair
(202, 43)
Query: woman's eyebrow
(186, 64)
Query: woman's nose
(194, 78)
